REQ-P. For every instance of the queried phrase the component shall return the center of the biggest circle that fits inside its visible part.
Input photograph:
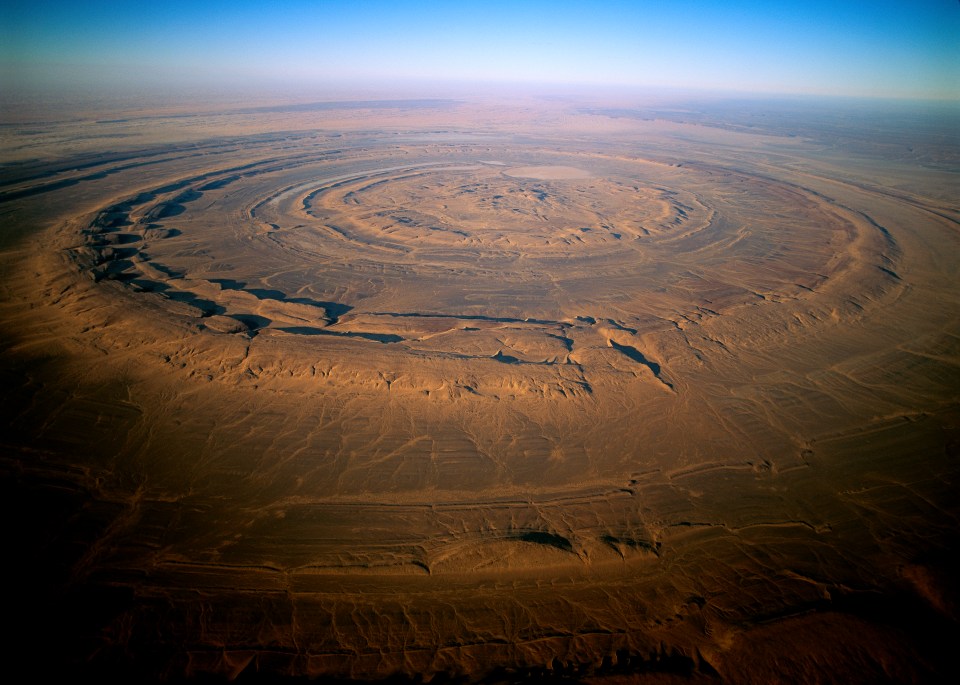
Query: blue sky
(879, 48)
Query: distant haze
(874, 49)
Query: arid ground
(482, 390)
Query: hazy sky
(899, 49)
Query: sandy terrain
(479, 391)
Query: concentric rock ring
(607, 239)
(377, 387)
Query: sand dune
(355, 404)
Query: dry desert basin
(481, 391)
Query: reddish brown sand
(478, 390)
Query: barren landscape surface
(482, 390)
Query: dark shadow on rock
(548, 539)
(252, 321)
(113, 217)
(166, 210)
(263, 294)
(471, 317)
(216, 185)
(116, 270)
(228, 283)
(332, 310)
(107, 254)
(115, 239)
(376, 337)
(162, 268)
(208, 307)
(146, 286)
(637, 356)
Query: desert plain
(483, 390)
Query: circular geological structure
(359, 405)
(563, 271)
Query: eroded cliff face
(666, 403)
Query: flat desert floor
(484, 391)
